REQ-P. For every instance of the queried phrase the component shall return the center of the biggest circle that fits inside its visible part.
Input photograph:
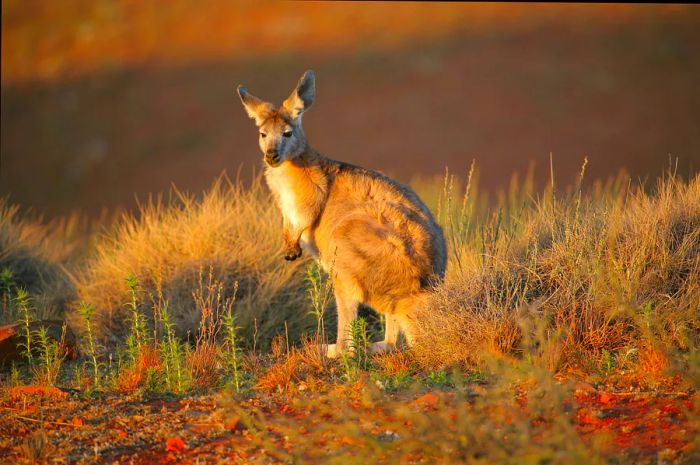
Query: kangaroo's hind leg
(346, 301)
(406, 323)
(406, 311)
(391, 334)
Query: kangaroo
(376, 238)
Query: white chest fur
(287, 200)
(291, 204)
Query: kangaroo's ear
(302, 97)
(256, 108)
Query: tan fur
(375, 235)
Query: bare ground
(631, 425)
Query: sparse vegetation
(87, 312)
(596, 286)
(232, 350)
(320, 294)
(231, 230)
(612, 272)
(136, 340)
(36, 448)
(51, 356)
(171, 350)
(357, 357)
(32, 257)
(22, 299)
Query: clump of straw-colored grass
(32, 257)
(580, 273)
(231, 233)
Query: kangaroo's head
(281, 137)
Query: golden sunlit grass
(172, 248)
(203, 365)
(304, 365)
(600, 285)
(596, 273)
(281, 375)
(33, 256)
(395, 362)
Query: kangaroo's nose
(272, 157)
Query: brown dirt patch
(639, 426)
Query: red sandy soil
(641, 426)
(100, 104)
(646, 423)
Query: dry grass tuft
(131, 378)
(289, 370)
(282, 375)
(35, 254)
(203, 365)
(394, 362)
(233, 233)
(652, 361)
(311, 354)
(608, 270)
(37, 448)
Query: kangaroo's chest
(299, 198)
(290, 198)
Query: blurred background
(105, 101)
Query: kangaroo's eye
(263, 135)
(287, 133)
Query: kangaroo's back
(391, 207)
(374, 235)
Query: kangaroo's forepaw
(292, 253)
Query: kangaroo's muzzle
(272, 158)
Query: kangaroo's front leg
(291, 235)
